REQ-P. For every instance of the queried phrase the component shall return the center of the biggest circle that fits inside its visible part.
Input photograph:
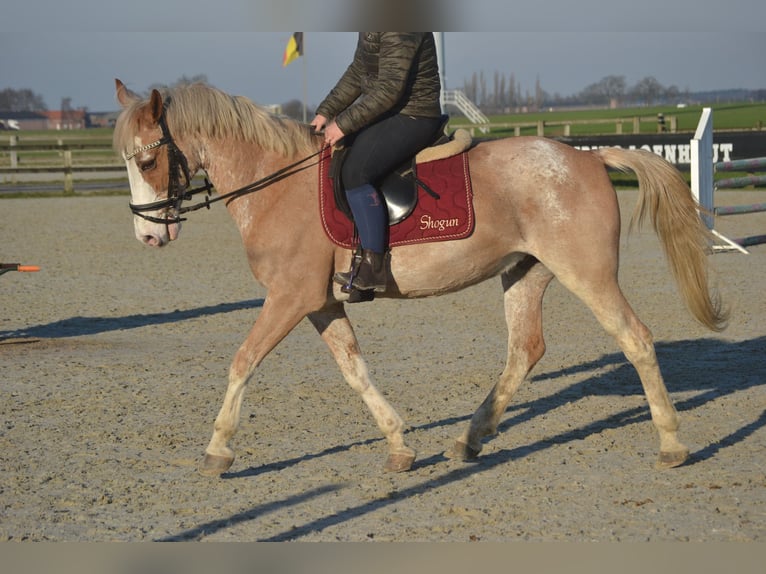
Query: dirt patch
(114, 361)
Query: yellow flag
(294, 48)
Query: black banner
(676, 148)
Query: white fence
(704, 167)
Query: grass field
(737, 116)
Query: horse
(543, 210)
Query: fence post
(636, 125)
(702, 165)
(14, 141)
(68, 176)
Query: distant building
(56, 120)
(102, 119)
(67, 119)
(23, 120)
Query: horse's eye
(147, 165)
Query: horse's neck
(233, 167)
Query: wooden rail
(63, 163)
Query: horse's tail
(666, 199)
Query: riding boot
(344, 278)
(367, 273)
(372, 272)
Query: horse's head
(158, 171)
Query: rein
(178, 193)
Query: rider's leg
(374, 152)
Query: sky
(76, 49)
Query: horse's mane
(201, 110)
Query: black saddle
(399, 188)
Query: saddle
(400, 188)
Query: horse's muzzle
(158, 236)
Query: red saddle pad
(444, 219)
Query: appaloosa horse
(542, 210)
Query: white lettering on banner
(725, 148)
(675, 153)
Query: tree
(496, 95)
(185, 80)
(672, 94)
(614, 87)
(294, 109)
(513, 98)
(182, 81)
(470, 88)
(503, 98)
(24, 100)
(605, 90)
(647, 90)
(540, 95)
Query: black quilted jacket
(392, 72)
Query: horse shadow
(698, 367)
(695, 367)
(80, 326)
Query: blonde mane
(200, 110)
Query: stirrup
(346, 278)
(357, 296)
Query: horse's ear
(155, 104)
(124, 96)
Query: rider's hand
(319, 123)
(332, 134)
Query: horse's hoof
(672, 459)
(214, 465)
(399, 462)
(462, 451)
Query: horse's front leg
(277, 318)
(336, 330)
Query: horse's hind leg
(608, 303)
(336, 330)
(524, 287)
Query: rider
(386, 108)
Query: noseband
(177, 167)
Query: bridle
(177, 166)
(178, 192)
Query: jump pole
(703, 185)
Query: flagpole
(296, 49)
(305, 97)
